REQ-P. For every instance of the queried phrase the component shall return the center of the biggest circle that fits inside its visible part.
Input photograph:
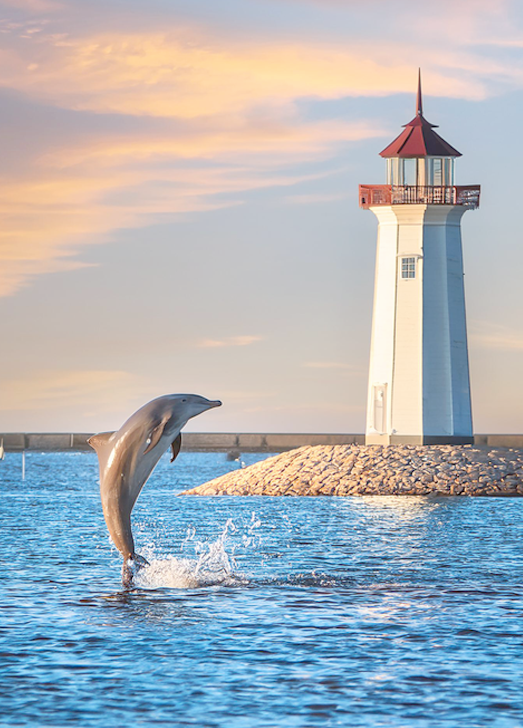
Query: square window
(408, 267)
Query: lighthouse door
(380, 407)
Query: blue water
(369, 611)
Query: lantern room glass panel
(410, 171)
(420, 171)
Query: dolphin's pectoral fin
(175, 447)
(155, 435)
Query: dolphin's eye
(184, 400)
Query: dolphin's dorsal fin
(175, 447)
(102, 444)
(99, 442)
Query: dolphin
(127, 457)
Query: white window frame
(408, 266)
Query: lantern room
(420, 169)
(419, 156)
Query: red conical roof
(419, 138)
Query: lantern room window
(408, 267)
(437, 172)
(420, 171)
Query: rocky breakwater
(342, 470)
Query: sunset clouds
(217, 97)
(188, 73)
(229, 341)
(165, 75)
(77, 195)
(44, 389)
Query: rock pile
(343, 470)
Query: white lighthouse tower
(419, 390)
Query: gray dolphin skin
(128, 456)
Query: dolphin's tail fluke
(131, 567)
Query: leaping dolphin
(128, 456)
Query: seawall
(222, 441)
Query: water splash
(179, 573)
(215, 562)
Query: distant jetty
(230, 442)
(359, 470)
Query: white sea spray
(214, 561)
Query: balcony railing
(372, 195)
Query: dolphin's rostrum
(128, 456)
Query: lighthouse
(419, 387)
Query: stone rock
(341, 470)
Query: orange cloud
(187, 75)
(498, 337)
(284, 139)
(34, 5)
(69, 200)
(314, 199)
(228, 342)
(226, 102)
(328, 365)
(70, 388)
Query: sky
(179, 202)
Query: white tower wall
(419, 388)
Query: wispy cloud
(189, 73)
(271, 141)
(236, 396)
(497, 337)
(77, 197)
(313, 199)
(305, 408)
(68, 388)
(332, 365)
(228, 342)
(33, 5)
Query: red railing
(371, 195)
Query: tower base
(379, 439)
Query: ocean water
(374, 611)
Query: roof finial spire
(419, 102)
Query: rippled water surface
(255, 611)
